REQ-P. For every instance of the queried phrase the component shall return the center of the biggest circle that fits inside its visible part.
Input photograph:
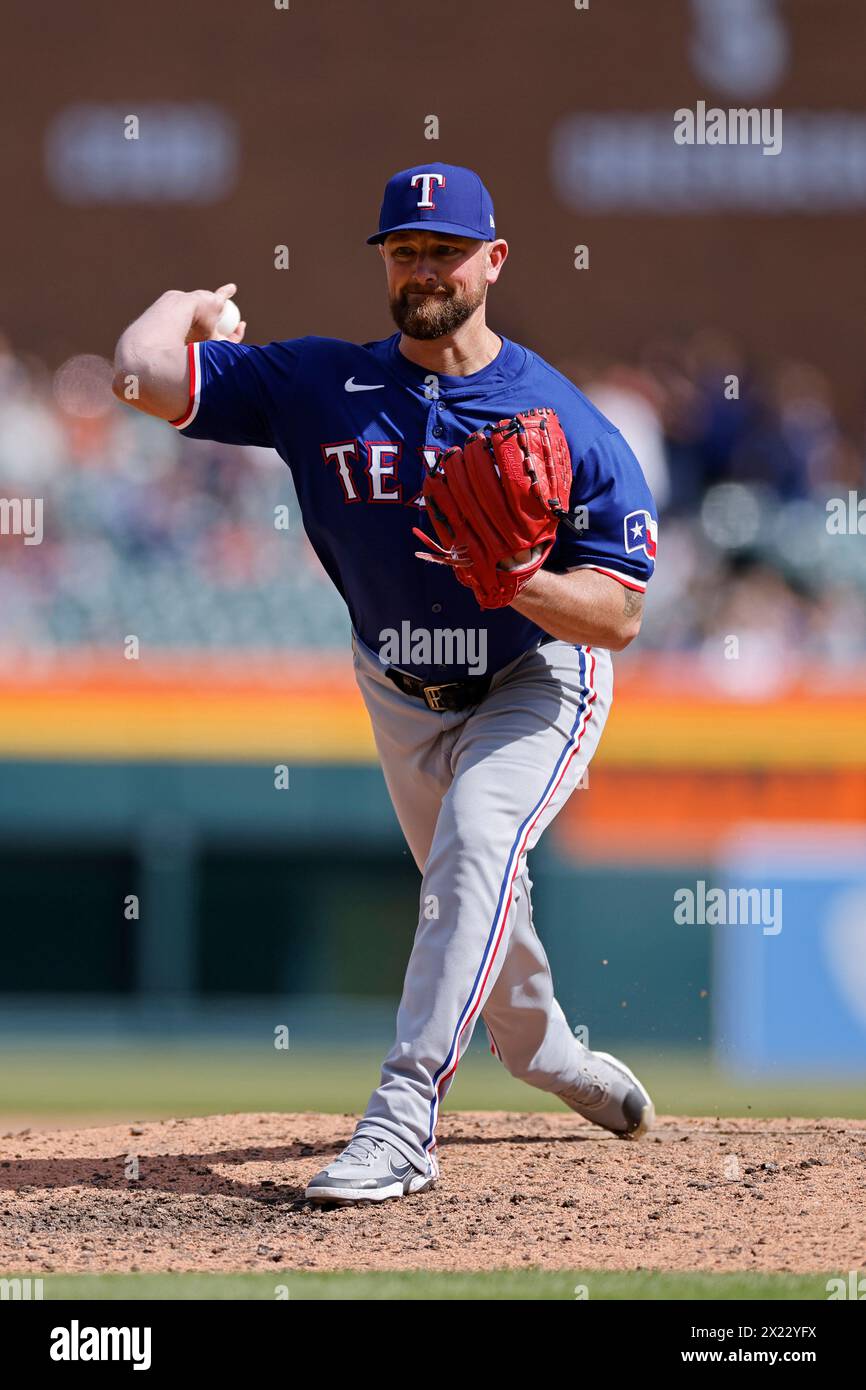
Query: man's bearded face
(433, 315)
(434, 284)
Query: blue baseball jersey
(358, 425)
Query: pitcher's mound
(225, 1193)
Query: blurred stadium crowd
(175, 540)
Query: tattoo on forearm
(633, 603)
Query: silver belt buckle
(433, 697)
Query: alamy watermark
(855, 1288)
(438, 646)
(77, 1343)
(737, 126)
(22, 516)
(717, 907)
(17, 1290)
(846, 517)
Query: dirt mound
(225, 1192)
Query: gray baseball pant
(473, 792)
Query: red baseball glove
(496, 503)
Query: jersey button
(437, 430)
(437, 607)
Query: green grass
(497, 1284)
(177, 1079)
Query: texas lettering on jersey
(359, 425)
(379, 461)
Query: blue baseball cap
(436, 198)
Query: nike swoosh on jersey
(353, 385)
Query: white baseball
(228, 319)
(523, 557)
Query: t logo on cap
(427, 181)
(436, 198)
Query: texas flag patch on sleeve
(641, 533)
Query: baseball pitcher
(492, 535)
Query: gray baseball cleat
(369, 1170)
(610, 1095)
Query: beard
(436, 315)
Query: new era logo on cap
(437, 198)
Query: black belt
(453, 695)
